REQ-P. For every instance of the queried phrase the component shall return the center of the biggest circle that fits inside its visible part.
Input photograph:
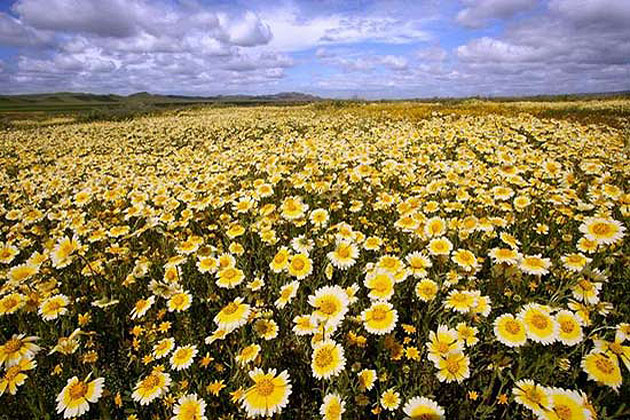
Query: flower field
(375, 261)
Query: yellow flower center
(343, 251)
(53, 306)
(230, 308)
(178, 300)
(567, 326)
(328, 306)
(512, 327)
(601, 228)
(452, 365)
(298, 264)
(604, 365)
(442, 347)
(151, 381)
(563, 412)
(379, 314)
(13, 345)
(323, 358)
(586, 285)
(78, 390)
(12, 372)
(265, 387)
(539, 321)
(534, 395)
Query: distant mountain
(82, 100)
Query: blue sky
(370, 49)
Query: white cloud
(479, 13)
(602, 12)
(105, 18)
(294, 33)
(395, 62)
(13, 32)
(494, 50)
(248, 31)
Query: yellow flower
(215, 387)
(510, 330)
(330, 303)
(504, 256)
(293, 208)
(300, 266)
(269, 394)
(11, 303)
(421, 408)
(344, 255)
(535, 265)
(18, 347)
(74, 398)
(230, 277)
(151, 387)
(380, 318)
(61, 255)
(332, 407)
(531, 395)
(426, 290)
(14, 376)
(569, 328)
(141, 307)
(454, 366)
(248, 354)
(280, 260)
(183, 357)
(233, 315)
(328, 359)
(440, 246)
(460, 300)
(22, 272)
(179, 302)
(566, 404)
(54, 306)
(287, 293)
(443, 342)
(465, 259)
(540, 326)
(163, 347)
(390, 400)
(367, 378)
(381, 284)
(190, 407)
(603, 368)
(602, 231)
(319, 217)
(8, 252)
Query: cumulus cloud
(386, 49)
(106, 18)
(479, 13)
(248, 32)
(14, 33)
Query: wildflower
(74, 398)
(380, 318)
(328, 359)
(423, 408)
(268, 395)
(151, 387)
(333, 407)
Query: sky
(332, 48)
